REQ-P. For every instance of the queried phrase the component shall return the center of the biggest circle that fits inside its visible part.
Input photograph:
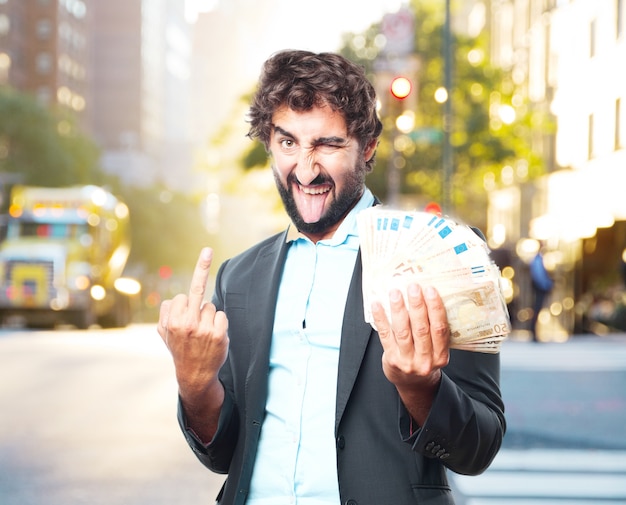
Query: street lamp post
(447, 116)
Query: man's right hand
(196, 335)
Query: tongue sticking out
(311, 206)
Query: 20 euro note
(435, 251)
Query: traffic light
(401, 87)
(433, 208)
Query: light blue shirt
(296, 459)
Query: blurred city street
(566, 433)
(124, 150)
(88, 417)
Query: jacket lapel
(263, 291)
(355, 335)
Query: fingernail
(206, 253)
(395, 295)
(414, 290)
(430, 292)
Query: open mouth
(315, 190)
(311, 201)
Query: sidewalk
(577, 353)
(524, 336)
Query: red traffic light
(401, 87)
(433, 208)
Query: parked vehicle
(63, 257)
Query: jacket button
(341, 443)
(351, 502)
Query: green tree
(483, 143)
(167, 228)
(44, 146)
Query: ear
(370, 149)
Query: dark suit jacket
(382, 459)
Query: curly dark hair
(302, 80)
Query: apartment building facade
(567, 57)
(122, 67)
(45, 50)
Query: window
(592, 38)
(44, 29)
(5, 24)
(590, 146)
(44, 95)
(618, 124)
(43, 63)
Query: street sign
(426, 135)
(399, 31)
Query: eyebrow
(332, 140)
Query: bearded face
(319, 170)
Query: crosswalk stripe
(544, 485)
(543, 476)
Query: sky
(314, 24)
(262, 28)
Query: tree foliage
(167, 228)
(42, 146)
(483, 145)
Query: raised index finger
(199, 278)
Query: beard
(341, 205)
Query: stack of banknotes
(400, 247)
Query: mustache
(320, 179)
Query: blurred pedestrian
(282, 384)
(542, 286)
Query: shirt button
(341, 443)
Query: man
(542, 286)
(282, 384)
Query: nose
(307, 168)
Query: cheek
(341, 167)
(278, 163)
(281, 171)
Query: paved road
(88, 418)
(566, 437)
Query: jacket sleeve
(217, 454)
(466, 424)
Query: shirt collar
(347, 227)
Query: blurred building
(567, 58)
(45, 50)
(122, 66)
(141, 81)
